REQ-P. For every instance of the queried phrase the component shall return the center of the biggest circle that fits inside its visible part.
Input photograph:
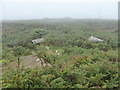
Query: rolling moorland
(66, 58)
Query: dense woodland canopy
(74, 61)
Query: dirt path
(30, 62)
(27, 61)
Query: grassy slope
(76, 53)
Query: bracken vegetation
(70, 60)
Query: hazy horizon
(36, 11)
(45, 18)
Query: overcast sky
(38, 10)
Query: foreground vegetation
(75, 62)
